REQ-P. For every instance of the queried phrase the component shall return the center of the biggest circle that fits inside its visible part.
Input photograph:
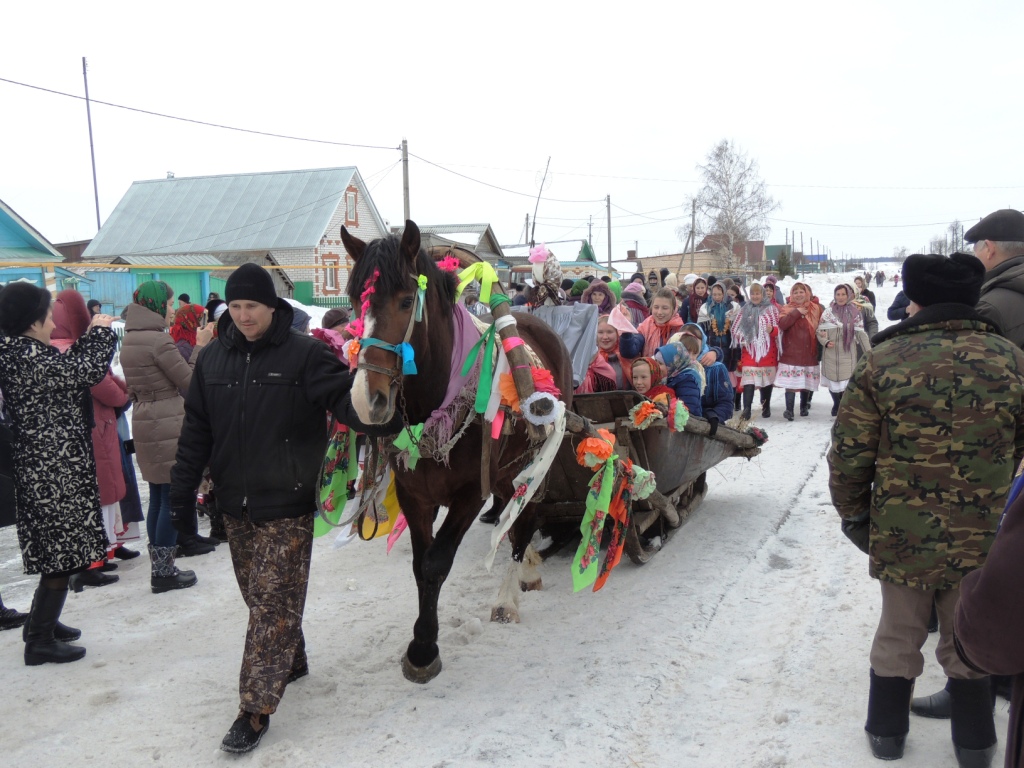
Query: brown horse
(392, 266)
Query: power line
(495, 186)
(195, 122)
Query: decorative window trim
(351, 207)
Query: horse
(394, 269)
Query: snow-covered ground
(744, 642)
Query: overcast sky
(874, 115)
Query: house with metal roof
(288, 221)
(31, 257)
(478, 238)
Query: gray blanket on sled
(577, 325)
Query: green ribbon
(421, 296)
(408, 440)
(585, 564)
(483, 389)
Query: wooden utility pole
(92, 152)
(405, 177)
(608, 208)
(590, 231)
(543, 179)
(526, 230)
(693, 233)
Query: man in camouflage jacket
(924, 449)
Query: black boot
(738, 398)
(123, 553)
(790, 401)
(972, 723)
(888, 716)
(766, 401)
(748, 401)
(939, 705)
(61, 631)
(41, 647)
(244, 736)
(190, 545)
(165, 575)
(93, 577)
(837, 397)
(10, 618)
(805, 402)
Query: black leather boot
(61, 632)
(888, 716)
(10, 618)
(93, 577)
(191, 545)
(837, 397)
(805, 402)
(748, 401)
(766, 401)
(971, 722)
(739, 396)
(790, 401)
(41, 647)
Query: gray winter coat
(1002, 299)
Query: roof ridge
(253, 173)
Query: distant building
(31, 257)
(289, 221)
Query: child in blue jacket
(717, 398)
(685, 375)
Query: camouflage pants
(903, 631)
(271, 561)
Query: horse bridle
(400, 350)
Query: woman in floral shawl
(798, 366)
(184, 326)
(755, 332)
(608, 371)
(841, 331)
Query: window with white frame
(331, 276)
(351, 214)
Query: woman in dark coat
(9, 617)
(60, 525)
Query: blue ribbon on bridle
(404, 351)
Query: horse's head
(383, 290)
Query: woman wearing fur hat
(157, 377)
(600, 294)
(799, 370)
(841, 332)
(755, 332)
(59, 519)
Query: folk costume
(799, 369)
(755, 332)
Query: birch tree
(733, 203)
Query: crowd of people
(229, 402)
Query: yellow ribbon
(484, 274)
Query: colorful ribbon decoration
(599, 498)
(408, 440)
(484, 274)
(404, 351)
(421, 296)
(483, 390)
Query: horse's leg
(422, 660)
(421, 532)
(522, 574)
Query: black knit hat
(251, 282)
(933, 279)
(21, 305)
(1006, 225)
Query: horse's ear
(353, 245)
(411, 242)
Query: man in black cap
(255, 412)
(999, 245)
(924, 449)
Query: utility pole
(693, 233)
(543, 179)
(526, 230)
(405, 177)
(636, 249)
(92, 152)
(590, 231)
(608, 209)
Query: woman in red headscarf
(184, 326)
(799, 370)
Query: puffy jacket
(898, 310)
(686, 385)
(156, 375)
(255, 413)
(718, 400)
(799, 342)
(930, 432)
(1002, 299)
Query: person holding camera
(923, 454)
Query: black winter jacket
(257, 415)
(1002, 299)
(898, 310)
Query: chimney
(630, 255)
(170, 174)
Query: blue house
(25, 254)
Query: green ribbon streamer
(591, 527)
(483, 390)
(408, 440)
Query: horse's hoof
(505, 614)
(420, 675)
(531, 586)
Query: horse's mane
(384, 254)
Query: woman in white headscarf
(841, 332)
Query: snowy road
(743, 643)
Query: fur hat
(333, 317)
(1006, 225)
(21, 305)
(688, 280)
(933, 279)
(251, 282)
(671, 281)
